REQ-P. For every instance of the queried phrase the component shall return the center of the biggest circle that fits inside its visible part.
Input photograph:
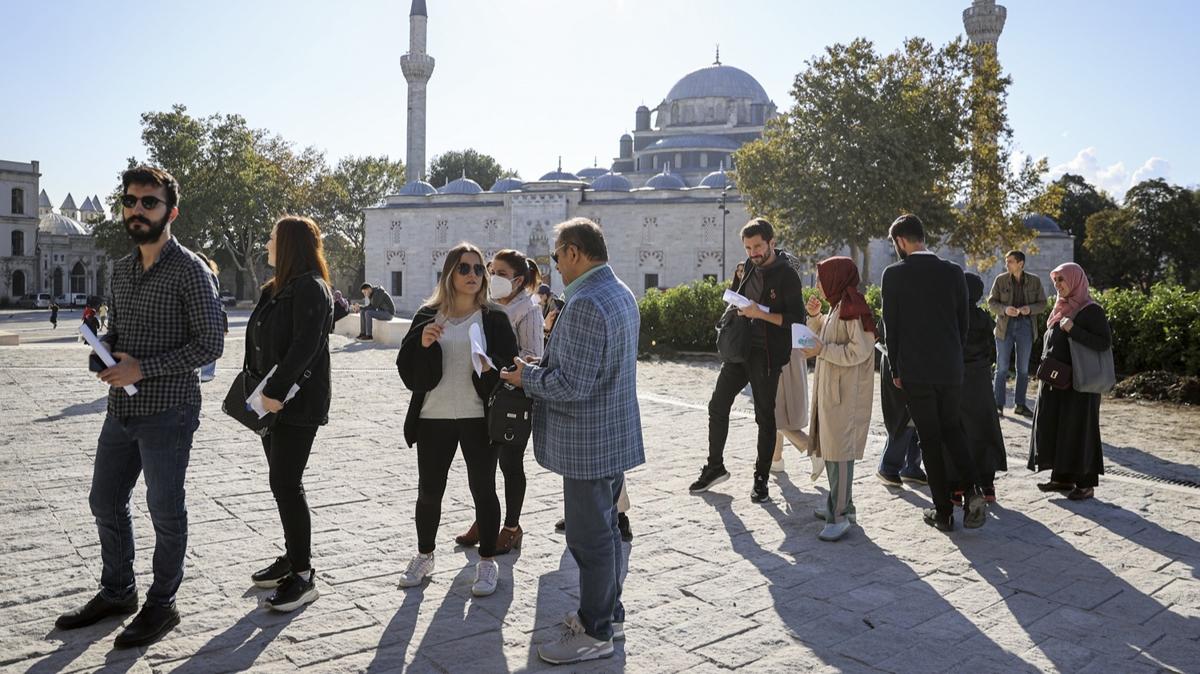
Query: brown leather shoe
(1081, 493)
(470, 538)
(1055, 486)
(507, 540)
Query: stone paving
(715, 582)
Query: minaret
(984, 20)
(418, 68)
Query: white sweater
(454, 397)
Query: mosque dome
(559, 175)
(717, 180)
(417, 188)
(611, 182)
(665, 181)
(591, 172)
(463, 185)
(719, 81)
(1041, 223)
(507, 185)
(61, 225)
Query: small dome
(591, 172)
(462, 185)
(68, 204)
(611, 182)
(559, 175)
(693, 142)
(89, 206)
(1041, 223)
(417, 188)
(643, 108)
(507, 185)
(60, 225)
(719, 81)
(717, 180)
(626, 138)
(665, 181)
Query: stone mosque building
(670, 212)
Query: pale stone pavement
(715, 582)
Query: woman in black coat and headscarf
(981, 423)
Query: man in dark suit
(925, 314)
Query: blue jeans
(158, 445)
(1020, 334)
(901, 454)
(208, 371)
(365, 316)
(595, 542)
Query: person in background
(289, 332)
(53, 315)
(379, 305)
(1016, 299)
(341, 308)
(209, 371)
(1066, 422)
(980, 420)
(900, 460)
(791, 400)
(513, 275)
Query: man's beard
(154, 233)
(761, 261)
(900, 252)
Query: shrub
(684, 317)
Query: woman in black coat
(289, 331)
(981, 423)
(1066, 423)
(451, 386)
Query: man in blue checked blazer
(587, 428)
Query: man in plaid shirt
(165, 323)
(587, 427)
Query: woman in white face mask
(513, 279)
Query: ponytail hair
(525, 268)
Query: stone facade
(18, 229)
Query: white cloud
(1115, 178)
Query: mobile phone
(95, 364)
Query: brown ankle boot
(470, 538)
(507, 540)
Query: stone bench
(390, 332)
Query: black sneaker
(97, 609)
(1023, 411)
(623, 525)
(759, 493)
(274, 574)
(149, 626)
(560, 525)
(294, 592)
(937, 522)
(709, 476)
(999, 410)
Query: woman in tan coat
(843, 385)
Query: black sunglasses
(148, 203)
(554, 255)
(465, 269)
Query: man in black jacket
(926, 318)
(770, 281)
(379, 305)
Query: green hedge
(1155, 331)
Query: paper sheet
(740, 301)
(102, 351)
(479, 356)
(255, 402)
(802, 337)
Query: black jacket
(420, 368)
(381, 301)
(291, 330)
(782, 293)
(925, 309)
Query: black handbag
(510, 415)
(1055, 373)
(733, 337)
(235, 404)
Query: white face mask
(499, 287)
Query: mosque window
(650, 281)
(18, 201)
(703, 160)
(18, 244)
(398, 283)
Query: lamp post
(724, 212)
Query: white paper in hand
(802, 337)
(255, 401)
(740, 301)
(479, 356)
(102, 351)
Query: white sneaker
(777, 466)
(574, 646)
(420, 567)
(618, 628)
(487, 575)
(833, 532)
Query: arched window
(58, 281)
(18, 201)
(18, 283)
(78, 278)
(18, 243)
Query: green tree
(342, 194)
(1079, 201)
(481, 168)
(1166, 230)
(1114, 261)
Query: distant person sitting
(379, 305)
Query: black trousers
(512, 465)
(437, 440)
(287, 448)
(935, 411)
(764, 382)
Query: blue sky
(1105, 88)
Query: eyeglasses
(148, 203)
(554, 255)
(465, 269)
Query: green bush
(684, 317)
